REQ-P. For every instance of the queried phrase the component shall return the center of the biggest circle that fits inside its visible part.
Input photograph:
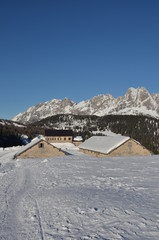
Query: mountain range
(136, 101)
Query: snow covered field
(79, 197)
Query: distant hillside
(135, 102)
(11, 132)
(141, 128)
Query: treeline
(10, 133)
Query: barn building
(112, 146)
(39, 148)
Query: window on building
(64, 139)
(41, 145)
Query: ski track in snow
(79, 197)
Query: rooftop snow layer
(78, 138)
(103, 144)
(65, 146)
(29, 145)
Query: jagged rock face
(156, 99)
(98, 105)
(135, 102)
(43, 110)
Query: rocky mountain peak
(134, 102)
(131, 94)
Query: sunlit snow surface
(78, 197)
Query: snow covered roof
(78, 139)
(64, 146)
(29, 145)
(103, 144)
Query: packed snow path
(78, 197)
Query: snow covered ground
(79, 197)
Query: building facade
(39, 148)
(53, 136)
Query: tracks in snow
(29, 207)
(38, 217)
(20, 212)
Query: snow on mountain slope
(98, 105)
(135, 102)
(79, 197)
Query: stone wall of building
(41, 150)
(129, 148)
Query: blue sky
(76, 49)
